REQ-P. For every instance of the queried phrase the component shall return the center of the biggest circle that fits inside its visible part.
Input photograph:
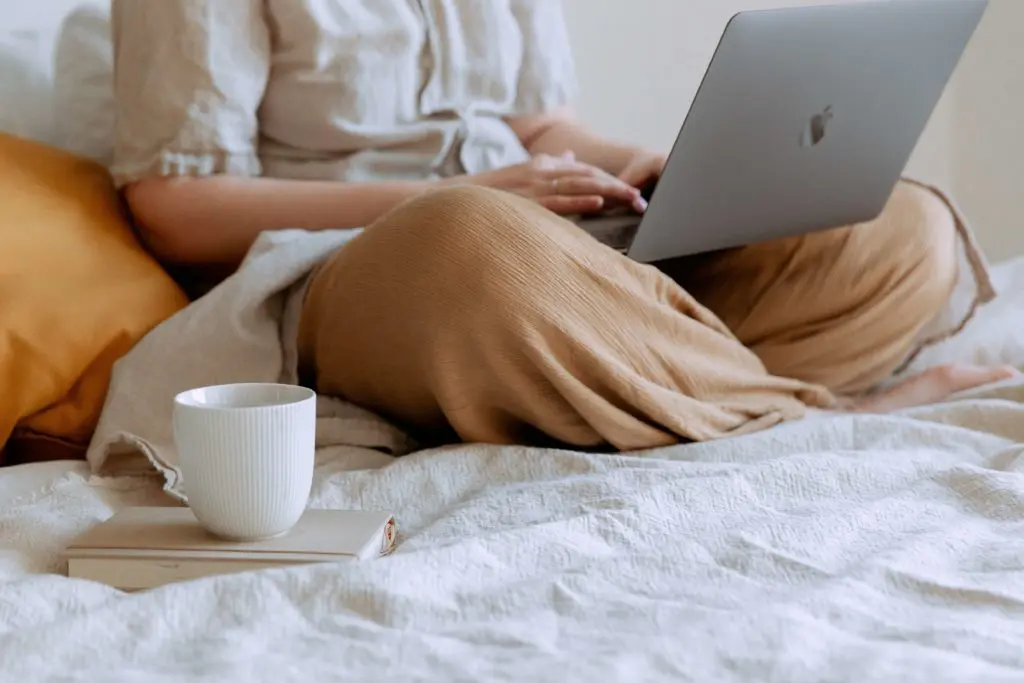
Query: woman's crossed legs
(474, 314)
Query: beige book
(140, 548)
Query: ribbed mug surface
(246, 453)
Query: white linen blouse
(332, 89)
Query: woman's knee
(426, 262)
(920, 246)
(464, 218)
(865, 292)
(472, 236)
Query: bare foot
(931, 386)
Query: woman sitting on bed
(468, 307)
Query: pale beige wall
(988, 136)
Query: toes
(933, 386)
(956, 378)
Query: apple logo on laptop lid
(816, 130)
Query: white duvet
(839, 549)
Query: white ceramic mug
(246, 453)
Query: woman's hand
(643, 168)
(563, 185)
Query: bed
(849, 548)
(881, 548)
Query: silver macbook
(805, 121)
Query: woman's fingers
(576, 178)
(569, 205)
(576, 187)
(607, 187)
(561, 168)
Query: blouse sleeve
(547, 77)
(189, 79)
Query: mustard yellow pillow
(77, 291)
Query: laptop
(805, 121)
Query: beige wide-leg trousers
(477, 315)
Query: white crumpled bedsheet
(836, 549)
